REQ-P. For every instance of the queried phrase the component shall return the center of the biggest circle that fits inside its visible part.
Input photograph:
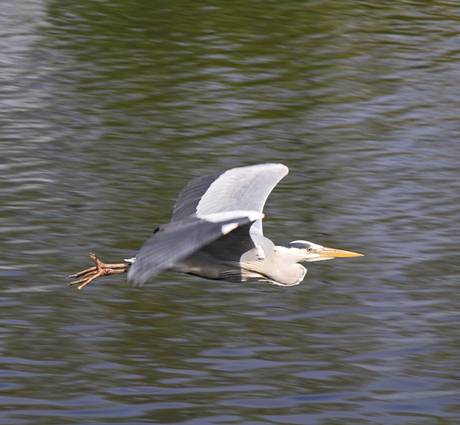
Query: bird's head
(309, 251)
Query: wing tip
(279, 165)
(138, 280)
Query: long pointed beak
(333, 253)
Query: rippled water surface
(108, 108)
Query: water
(108, 108)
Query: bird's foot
(100, 269)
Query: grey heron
(216, 233)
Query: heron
(216, 233)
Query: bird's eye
(309, 250)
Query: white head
(301, 251)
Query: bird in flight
(216, 233)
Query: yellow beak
(332, 253)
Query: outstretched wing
(243, 188)
(175, 241)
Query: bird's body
(216, 233)
(258, 260)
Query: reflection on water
(109, 108)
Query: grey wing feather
(243, 188)
(173, 242)
(190, 196)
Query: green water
(108, 109)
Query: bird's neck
(286, 270)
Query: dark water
(108, 108)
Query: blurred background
(108, 108)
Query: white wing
(238, 189)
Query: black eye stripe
(299, 245)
